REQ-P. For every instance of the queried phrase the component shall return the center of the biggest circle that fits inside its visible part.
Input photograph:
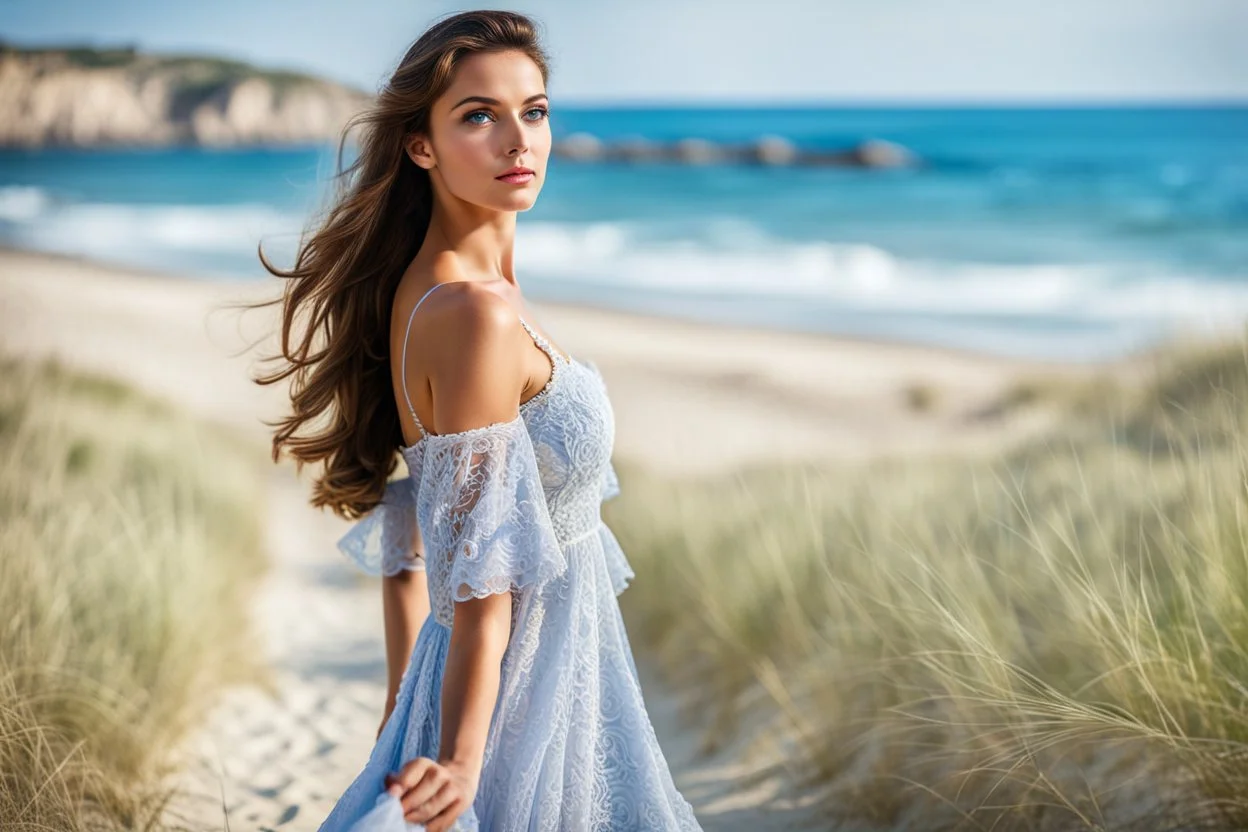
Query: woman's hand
(433, 793)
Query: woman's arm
(405, 605)
(477, 379)
(470, 682)
(435, 793)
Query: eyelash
(545, 111)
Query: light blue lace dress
(515, 507)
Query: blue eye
(468, 118)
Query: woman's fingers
(415, 800)
(441, 822)
(400, 782)
(429, 793)
(432, 807)
(420, 779)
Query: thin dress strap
(542, 343)
(403, 360)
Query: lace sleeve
(610, 483)
(382, 542)
(488, 513)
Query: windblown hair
(336, 303)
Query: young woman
(514, 701)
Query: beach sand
(690, 398)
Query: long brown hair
(336, 301)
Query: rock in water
(877, 153)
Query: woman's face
(492, 118)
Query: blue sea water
(1072, 233)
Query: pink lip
(516, 178)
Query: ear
(419, 150)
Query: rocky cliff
(123, 97)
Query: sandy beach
(690, 398)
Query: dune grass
(129, 543)
(1055, 638)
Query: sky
(656, 51)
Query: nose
(518, 139)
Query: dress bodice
(571, 428)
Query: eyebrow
(484, 100)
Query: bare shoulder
(465, 321)
(475, 369)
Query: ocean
(1074, 233)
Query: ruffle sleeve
(617, 563)
(382, 543)
(618, 567)
(610, 483)
(489, 521)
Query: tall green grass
(1055, 638)
(129, 543)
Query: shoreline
(690, 396)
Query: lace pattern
(610, 484)
(382, 542)
(617, 564)
(489, 529)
